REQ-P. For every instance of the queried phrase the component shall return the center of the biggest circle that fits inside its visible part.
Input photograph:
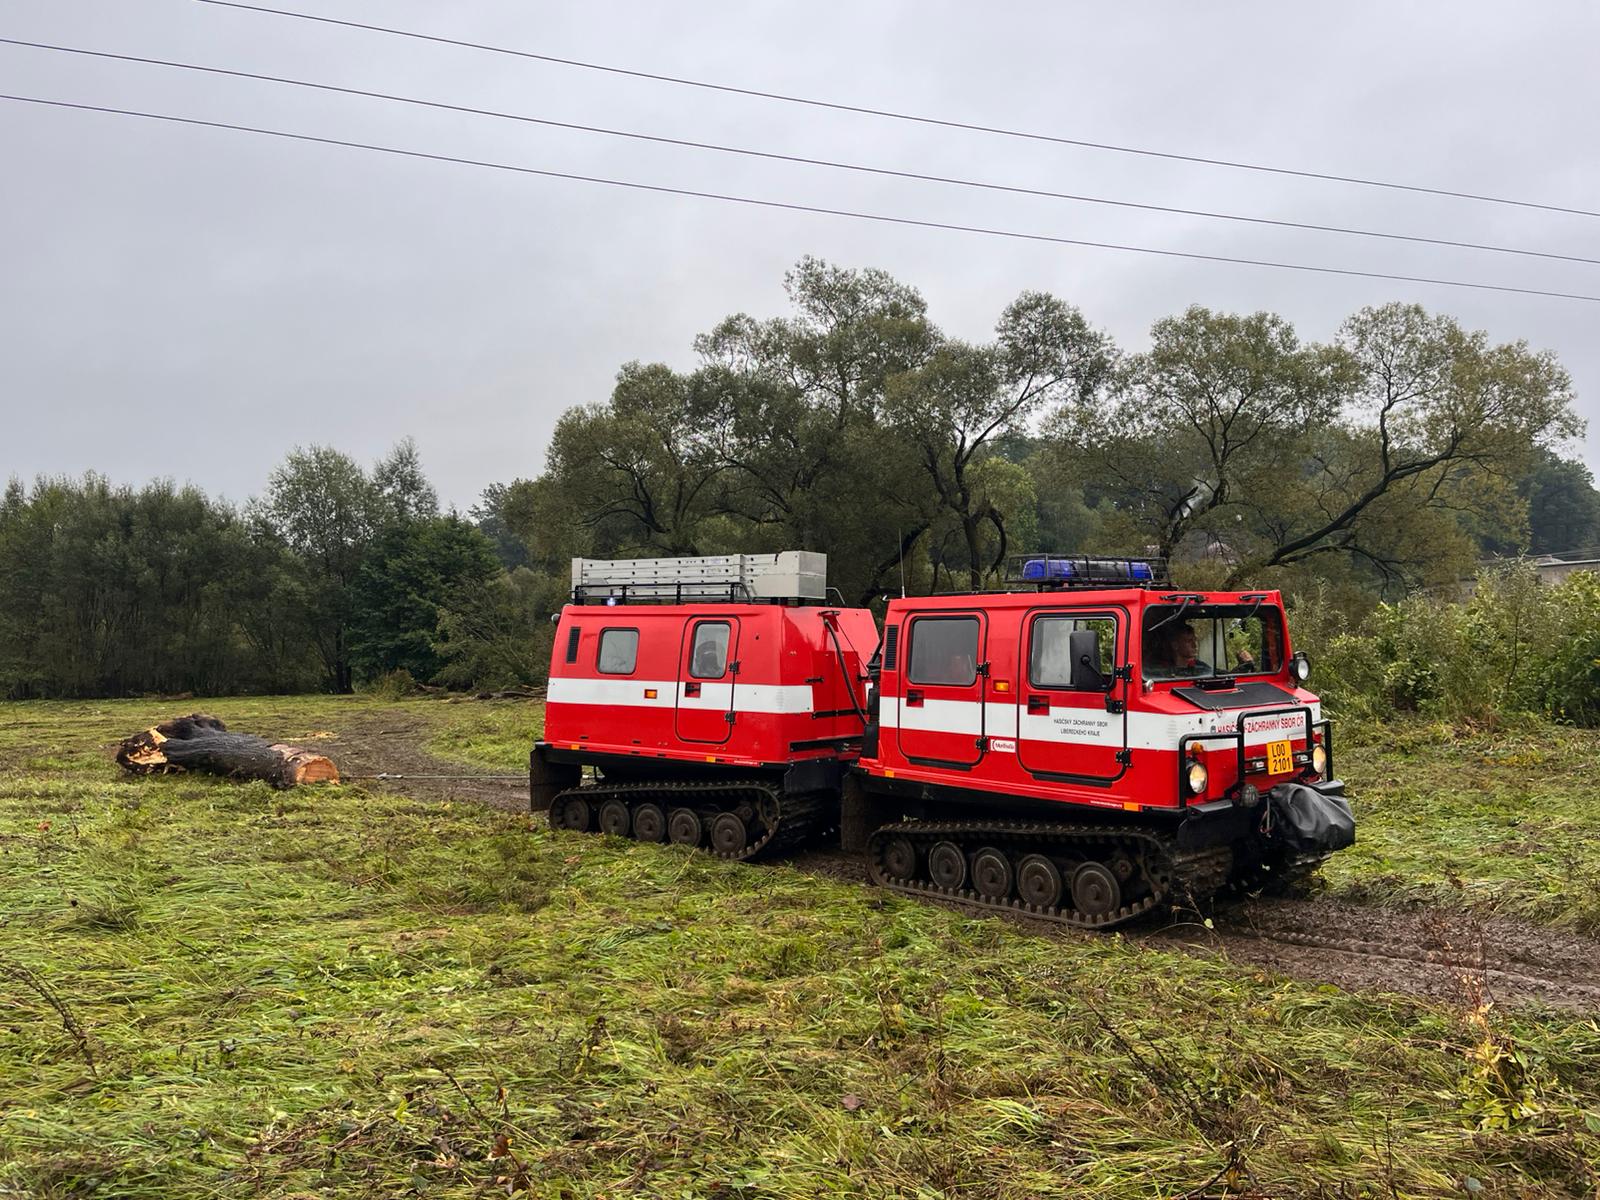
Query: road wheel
(947, 866)
(650, 823)
(991, 874)
(1039, 881)
(615, 818)
(729, 835)
(900, 858)
(1095, 890)
(684, 827)
(575, 814)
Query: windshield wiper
(1188, 601)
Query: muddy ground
(1433, 953)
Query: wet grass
(213, 989)
(1503, 821)
(492, 735)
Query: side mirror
(1084, 647)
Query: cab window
(1075, 653)
(708, 657)
(944, 651)
(1207, 640)
(619, 651)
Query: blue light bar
(1085, 570)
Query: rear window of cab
(618, 653)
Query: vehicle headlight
(1302, 668)
(1197, 778)
(1319, 760)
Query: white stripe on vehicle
(1083, 726)
(627, 692)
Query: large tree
(1398, 446)
(814, 462)
(108, 590)
(407, 576)
(403, 491)
(955, 406)
(1437, 420)
(327, 511)
(1563, 506)
(639, 471)
(1210, 416)
(776, 440)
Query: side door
(708, 668)
(946, 683)
(1072, 723)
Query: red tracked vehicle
(1085, 748)
(717, 701)
(1093, 746)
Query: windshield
(1201, 641)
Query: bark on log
(202, 743)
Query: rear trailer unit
(715, 701)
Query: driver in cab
(1176, 652)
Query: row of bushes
(1515, 646)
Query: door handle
(914, 698)
(1038, 704)
(691, 689)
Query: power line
(890, 114)
(790, 206)
(793, 158)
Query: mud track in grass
(392, 744)
(1436, 954)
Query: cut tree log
(203, 743)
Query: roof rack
(1049, 572)
(789, 576)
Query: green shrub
(392, 685)
(1514, 647)
(1568, 674)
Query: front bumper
(1302, 818)
(1249, 769)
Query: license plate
(1280, 758)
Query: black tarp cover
(1312, 820)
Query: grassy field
(210, 989)
(1504, 822)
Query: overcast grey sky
(194, 303)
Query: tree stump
(202, 743)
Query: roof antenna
(900, 538)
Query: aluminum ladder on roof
(787, 575)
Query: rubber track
(1277, 880)
(800, 817)
(1194, 874)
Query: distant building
(1550, 569)
(1554, 570)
